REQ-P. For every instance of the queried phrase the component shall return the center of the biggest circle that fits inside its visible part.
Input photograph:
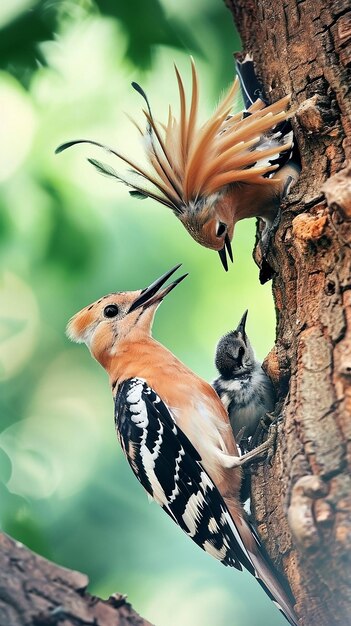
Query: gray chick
(245, 390)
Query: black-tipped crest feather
(141, 91)
(138, 194)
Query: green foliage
(20, 39)
(69, 235)
(145, 24)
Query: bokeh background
(68, 236)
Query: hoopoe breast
(194, 404)
(201, 419)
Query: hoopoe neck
(175, 383)
(144, 357)
(252, 200)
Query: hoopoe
(243, 387)
(211, 175)
(174, 431)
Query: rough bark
(35, 592)
(302, 502)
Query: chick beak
(152, 294)
(222, 253)
(241, 326)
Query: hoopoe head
(234, 354)
(105, 323)
(192, 168)
(210, 222)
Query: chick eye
(221, 228)
(241, 355)
(111, 310)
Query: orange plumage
(125, 348)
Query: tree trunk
(35, 592)
(302, 501)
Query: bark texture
(302, 502)
(35, 592)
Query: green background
(68, 236)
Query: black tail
(251, 88)
(266, 574)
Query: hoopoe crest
(210, 174)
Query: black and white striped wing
(169, 468)
(251, 90)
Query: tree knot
(308, 510)
(309, 228)
(337, 190)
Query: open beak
(222, 253)
(152, 294)
(241, 325)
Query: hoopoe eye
(111, 310)
(221, 229)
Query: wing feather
(170, 469)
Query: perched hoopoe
(244, 388)
(174, 431)
(212, 175)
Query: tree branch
(36, 592)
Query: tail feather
(264, 570)
(267, 578)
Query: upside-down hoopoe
(213, 174)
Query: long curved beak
(222, 253)
(152, 294)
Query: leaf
(5, 467)
(10, 327)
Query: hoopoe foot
(264, 451)
(262, 429)
(241, 441)
(289, 175)
(268, 234)
(266, 271)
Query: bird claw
(265, 450)
(242, 442)
(266, 271)
(287, 186)
(263, 427)
(268, 234)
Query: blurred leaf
(70, 246)
(5, 466)
(147, 25)
(16, 519)
(9, 327)
(5, 225)
(19, 40)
